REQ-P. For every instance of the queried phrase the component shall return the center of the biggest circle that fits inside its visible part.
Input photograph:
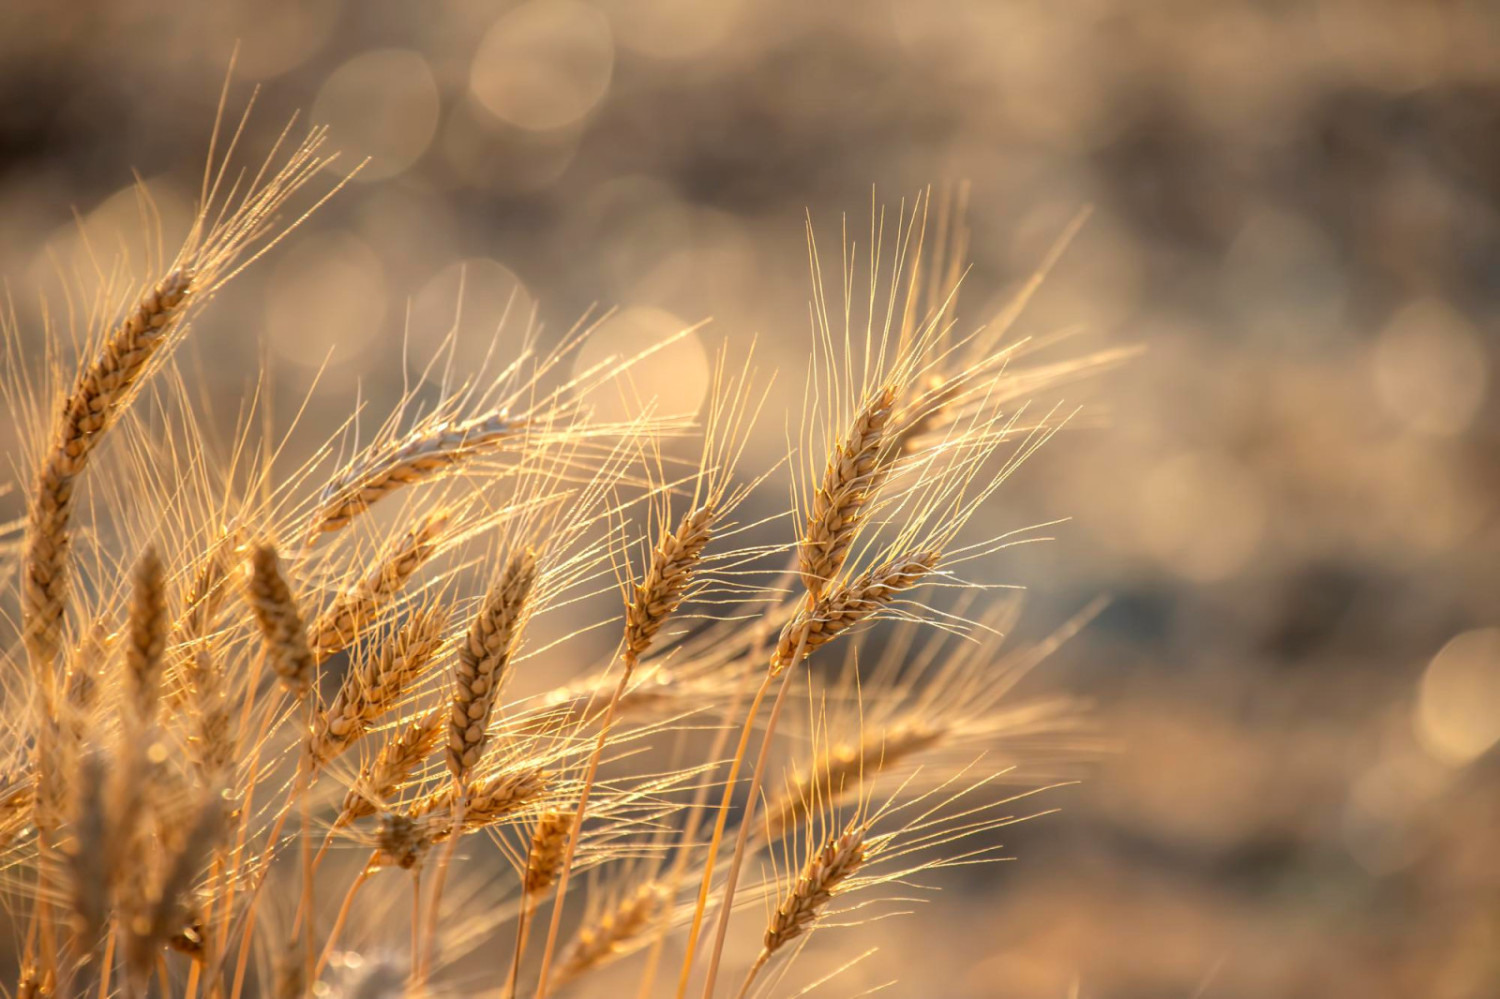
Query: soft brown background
(1292, 502)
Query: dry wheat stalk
(422, 454)
(383, 776)
(610, 933)
(483, 658)
(848, 767)
(146, 634)
(280, 621)
(665, 585)
(353, 612)
(859, 600)
(848, 480)
(99, 394)
(549, 838)
(376, 684)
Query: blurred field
(1291, 496)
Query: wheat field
(578, 497)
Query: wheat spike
(422, 454)
(848, 481)
(549, 839)
(859, 600)
(485, 801)
(384, 775)
(821, 876)
(146, 634)
(483, 658)
(98, 396)
(665, 585)
(168, 909)
(402, 841)
(619, 925)
(280, 621)
(377, 683)
(353, 612)
(846, 768)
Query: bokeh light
(673, 383)
(1458, 704)
(381, 104)
(326, 302)
(1430, 369)
(544, 64)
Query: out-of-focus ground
(1293, 499)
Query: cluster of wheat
(249, 711)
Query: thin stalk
(338, 922)
(629, 664)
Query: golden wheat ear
(230, 230)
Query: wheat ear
(485, 802)
(98, 396)
(848, 481)
(383, 776)
(483, 658)
(846, 606)
(422, 454)
(658, 595)
(847, 767)
(280, 621)
(820, 878)
(353, 612)
(377, 683)
(604, 938)
(549, 837)
(146, 635)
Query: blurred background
(1291, 496)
